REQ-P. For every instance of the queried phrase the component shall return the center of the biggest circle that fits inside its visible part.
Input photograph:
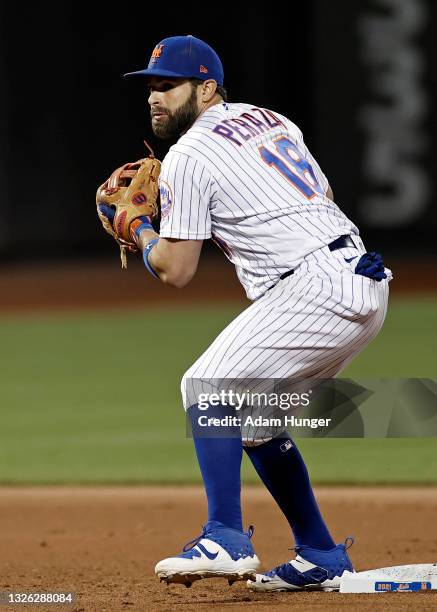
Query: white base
(399, 578)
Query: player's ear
(209, 88)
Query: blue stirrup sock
(220, 464)
(281, 468)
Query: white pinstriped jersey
(243, 176)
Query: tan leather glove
(131, 192)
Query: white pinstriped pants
(309, 325)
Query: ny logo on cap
(157, 51)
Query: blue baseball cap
(183, 57)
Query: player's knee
(259, 438)
(251, 442)
(191, 388)
(184, 394)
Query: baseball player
(243, 176)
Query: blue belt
(339, 243)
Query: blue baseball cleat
(218, 552)
(311, 569)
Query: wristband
(146, 252)
(138, 225)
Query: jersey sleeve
(185, 193)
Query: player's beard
(174, 124)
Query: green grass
(95, 398)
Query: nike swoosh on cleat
(208, 554)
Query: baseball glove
(131, 192)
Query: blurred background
(91, 356)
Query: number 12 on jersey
(290, 163)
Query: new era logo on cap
(183, 57)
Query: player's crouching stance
(243, 176)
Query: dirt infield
(101, 283)
(102, 544)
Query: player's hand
(108, 212)
(372, 266)
(137, 225)
(142, 222)
(128, 196)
